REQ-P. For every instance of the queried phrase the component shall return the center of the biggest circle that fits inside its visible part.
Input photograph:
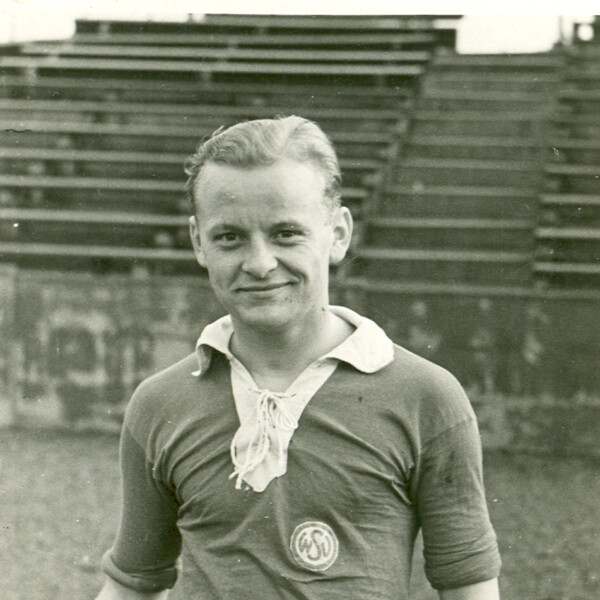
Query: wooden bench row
(440, 269)
(271, 23)
(221, 92)
(89, 67)
(298, 55)
(397, 240)
(368, 142)
(377, 226)
(152, 165)
(335, 22)
(442, 27)
(100, 259)
(71, 110)
(323, 39)
(147, 195)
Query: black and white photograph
(299, 301)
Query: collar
(367, 349)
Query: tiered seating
(568, 233)
(458, 215)
(94, 130)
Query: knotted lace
(270, 420)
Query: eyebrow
(287, 225)
(218, 227)
(225, 226)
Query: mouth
(258, 289)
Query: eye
(227, 239)
(287, 235)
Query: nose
(259, 261)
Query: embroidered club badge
(314, 545)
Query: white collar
(367, 349)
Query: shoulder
(418, 375)
(166, 395)
(425, 390)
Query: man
(298, 451)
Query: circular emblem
(314, 545)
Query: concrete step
(459, 100)
(478, 82)
(583, 270)
(448, 233)
(578, 126)
(569, 210)
(392, 291)
(492, 63)
(465, 266)
(473, 147)
(424, 172)
(573, 178)
(573, 200)
(577, 151)
(481, 123)
(587, 101)
(458, 202)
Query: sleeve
(460, 545)
(148, 542)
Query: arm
(142, 561)
(115, 591)
(459, 542)
(486, 590)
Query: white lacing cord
(271, 414)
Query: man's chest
(340, 462)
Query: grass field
(59, 503)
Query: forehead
(287, 185)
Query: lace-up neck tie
(259, 447)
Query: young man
(298, 451)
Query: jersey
(375, 457)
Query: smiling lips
(262, 288)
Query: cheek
(220, 268)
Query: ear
(195, 237)
(342, 235)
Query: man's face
(267, 238)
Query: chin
(265, 318)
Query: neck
(275, 358)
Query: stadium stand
(459, 206)
(444, 157)
(94, 130)
(568, 232)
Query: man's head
(264, 142)
(268, 224)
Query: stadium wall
(76, 346)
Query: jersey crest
(314, 545)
